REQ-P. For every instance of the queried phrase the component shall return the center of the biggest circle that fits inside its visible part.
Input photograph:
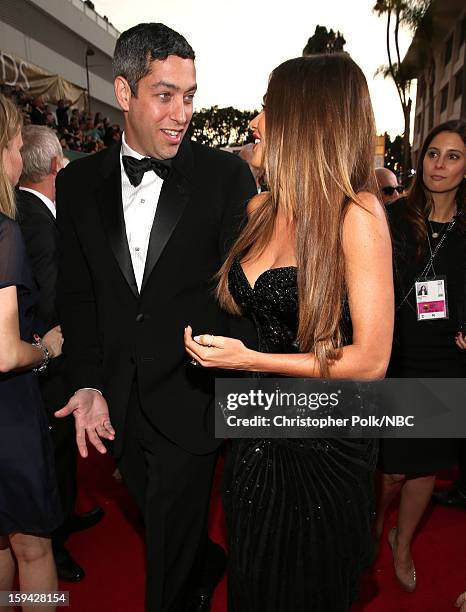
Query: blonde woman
(313, 270)
(29, 506)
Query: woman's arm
(369, 278)
(14, 353)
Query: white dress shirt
(47, 201)
(139, 206)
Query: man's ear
(55, 165)
(122, 92)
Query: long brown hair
(10, 124)
(318, 154)
(419, 204)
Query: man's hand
(91, 417)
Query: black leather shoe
(214, 568)
(78, 522)
(67, 568)
(450, 497)
(201, 601)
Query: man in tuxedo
(42, 159)
(145, 226)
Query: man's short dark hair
(139, 46)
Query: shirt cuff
(89, 389)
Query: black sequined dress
(298, 511)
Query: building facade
(56, 35)
(436, 58)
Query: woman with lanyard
(429, 239)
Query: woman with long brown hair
(29, 503)
(312, 268)
(429, 237)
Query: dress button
(139, 318)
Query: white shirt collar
(50, 205)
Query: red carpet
(112, 554)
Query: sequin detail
(298, 510)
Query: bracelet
(45, 362)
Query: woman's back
(15, 270)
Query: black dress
(28, 492)
(424, 349)
(298, 511)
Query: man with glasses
(388, 185)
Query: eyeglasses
(389, 190)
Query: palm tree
(419, 18)
(409, 13)
(324, 41)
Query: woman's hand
(217, 351)
(460, 340)
(53, 341)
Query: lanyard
(429, 264)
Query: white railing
(104, 24)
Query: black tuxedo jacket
(41, 237)
(40, 234)
(114, 334)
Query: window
(448, 49)
(444, 98)
(459, 83)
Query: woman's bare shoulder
(364, 223)
(367, 202)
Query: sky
(239, 42)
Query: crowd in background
(83, 132)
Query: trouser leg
(172, 488)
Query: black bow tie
(135, 168)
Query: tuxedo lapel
(109, 198)
(174, 196)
